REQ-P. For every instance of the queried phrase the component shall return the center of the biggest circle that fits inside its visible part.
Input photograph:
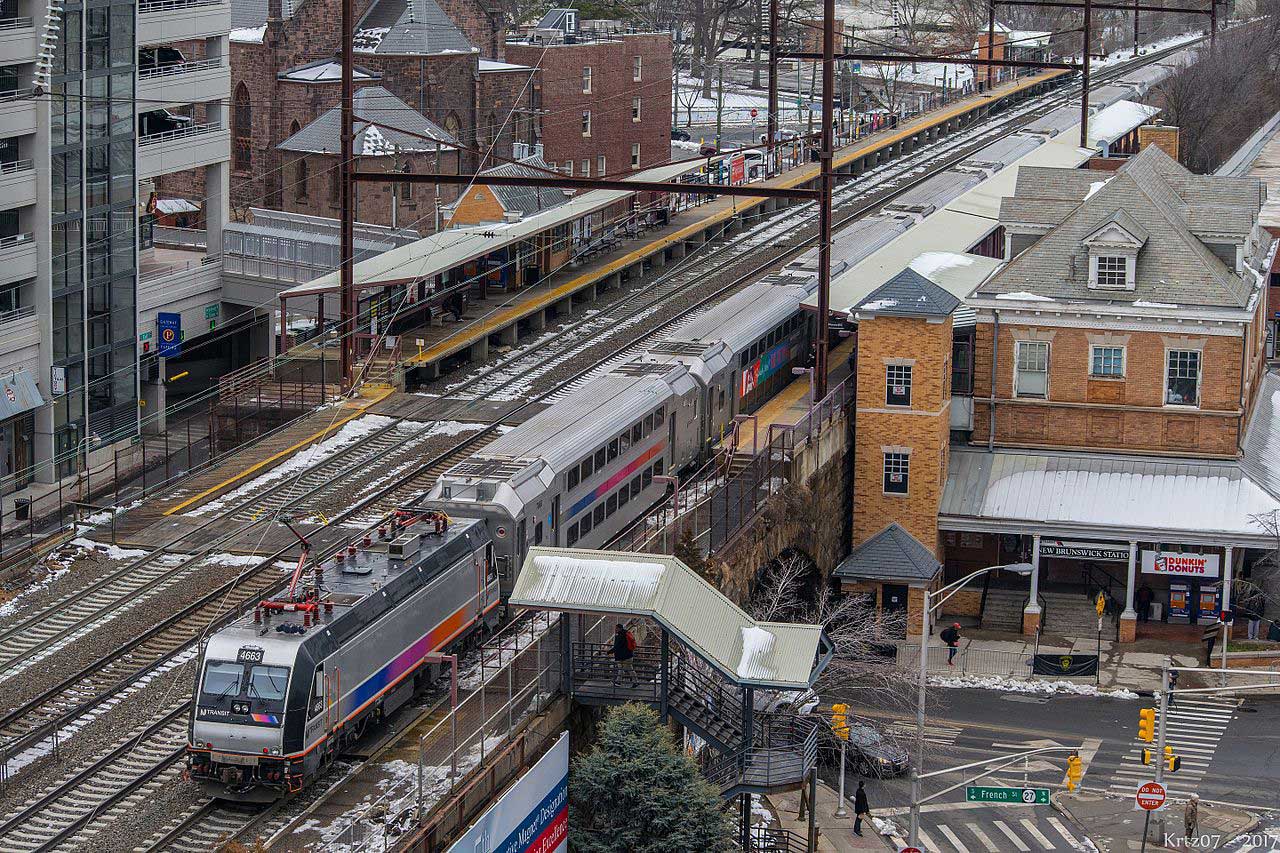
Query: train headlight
(275, 750)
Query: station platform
(497, 319)
(789, 405)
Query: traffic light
(1147, 724)
(1171, 762)
(1146, 756)
(1075, 770)
(840, 720)
(1101, 604)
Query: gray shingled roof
(1261, 458)
(246, 14)
(526, 200)
(909, 294)
(1153, 193)
(893, 554)
(374, 104)
(409, 28)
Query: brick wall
(1122, 414)
(922, 429)
(374, 201)
(613, 131)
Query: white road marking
(953, 838)
(1062, 830)
(983, 837)
(928, 843)
(1017, 842)
(1036, 834)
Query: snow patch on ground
(884, 826)
(1015, 685)
(111, 552)
(351, 432)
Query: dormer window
(1113, 253)
(1112, 271)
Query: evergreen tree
(636, 792)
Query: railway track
(56, 709)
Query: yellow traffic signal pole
(1164, 715)
(840, 726)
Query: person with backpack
(624, 653)
(951, 636)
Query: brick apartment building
(441, 61)
(603, 99)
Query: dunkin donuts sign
(1177, 564)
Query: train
(280, 692)
(283, 690)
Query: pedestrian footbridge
(700, 660)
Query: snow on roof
(176, 205)
(323, 71)
(931, 264)
(249, 35)
(1119, 119)
(775, 655)
(492, 65)
(1107, 495)
(1024, 296)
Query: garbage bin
(22, 509)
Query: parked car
(872, 754)
(161, 121)
(678, 135)
(708, 149)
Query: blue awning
(18, 394)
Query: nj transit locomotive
(281, 691)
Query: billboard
(532, 816)
(763, 367)
(1180, 564)
(170, 329)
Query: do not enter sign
(1150, 796)
(909, 850)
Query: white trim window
(586, 79)
(1031, 369)
(1182, 377)
(637, 68)
(635, 109)
(600, 164)
(1112, 271)
(1106, 362)
(897, 473)
(635, 155)
(585, 165)
(897, 385)
(586, 122)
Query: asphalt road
(1230, 754)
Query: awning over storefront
(1106, 496)
(18, 394)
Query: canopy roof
(774, 655)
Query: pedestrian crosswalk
(1025, 835)
(934, 733)
(1195, 726)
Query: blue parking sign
(169, 333)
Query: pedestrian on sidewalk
(1191, 815)
(1210, 638)
(1144, 599)
(624, 653)
(951, 636)
(861, 808)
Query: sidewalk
(835, 834)
(1115, 824)
(992, 654)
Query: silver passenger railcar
(574, 473)
(280, 692)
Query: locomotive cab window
(268, 682)
(222, 678)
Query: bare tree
(863, 669)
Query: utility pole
(1164, 716)
(1084, 71)
(1136, 37)
(772, 122)
(346, 238)
(719, 102)
(826, 181)
(991, 41)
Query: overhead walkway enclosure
(699, 660)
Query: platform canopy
(440, 252)
(1111, 496)
(773, 655)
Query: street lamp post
(934, 600)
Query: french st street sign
(1029, 796)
